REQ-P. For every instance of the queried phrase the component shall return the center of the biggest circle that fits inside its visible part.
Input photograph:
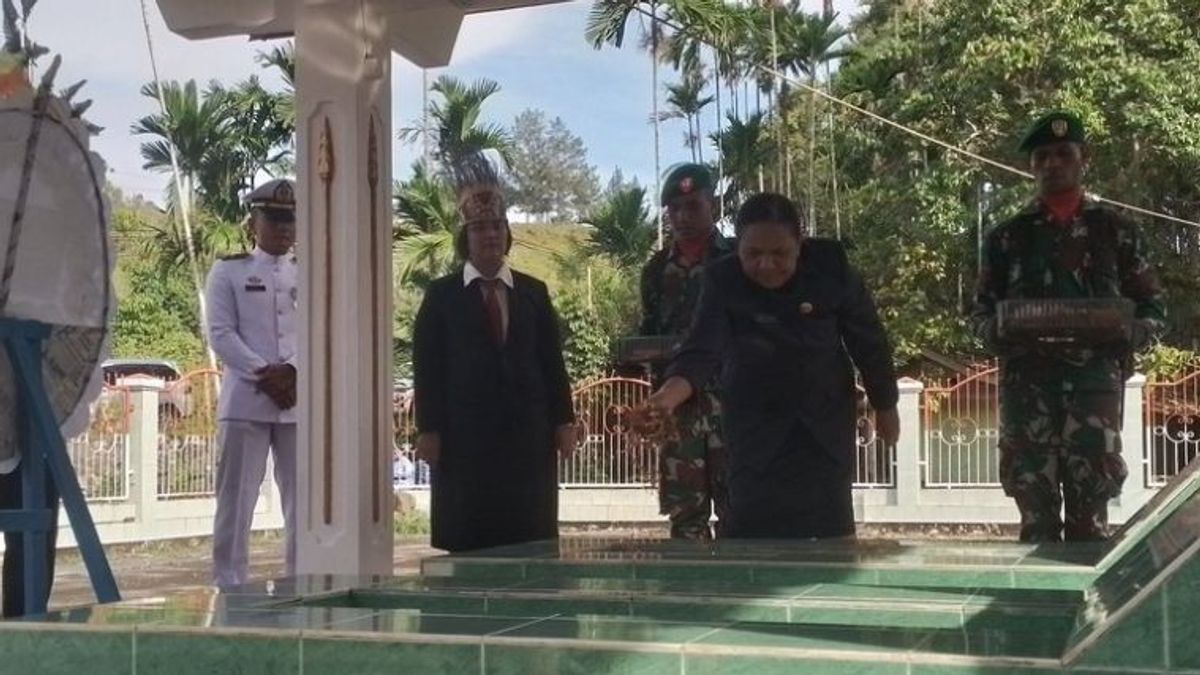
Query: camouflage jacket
(671, 291)
(1098, 255)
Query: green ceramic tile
(436, 603)
(533, 549)
(473, 569)
(305, 585)
(1137, 640)
(42, 649)
(796, 575)
(1183, 600)
(550, 605)
(882, 616)
(546, 660)
(1046, 580)
(1072, 554)
(348, 656)
(439, 584)
(721, 573)
(1057, 623)
(608, 629)
(295, 618)
(109, 615)
(711, 609)
(955, 597)
(414, 623)
(752, 664)
(1023, 597)
(809, 636)
(1001, 642)
(200, 653)
(918, 668)
(593, 585)
(537, 569)
(943, 577)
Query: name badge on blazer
(765, 318)
(254, 284)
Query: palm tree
(809, 41)
(283, 59)
(457, 130)
(428, 221)
(200, 128)
(622, 228)
(191, 134)
(700, 20)
(686, 101)
(746, 145)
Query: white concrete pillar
(1133, 450)
(144, 393)
(908, 450)
(343, 125)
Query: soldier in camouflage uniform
(692, 468)
(1061, 408)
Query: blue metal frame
(43, 448)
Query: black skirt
(802, 493)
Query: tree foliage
(976, 75)
(621, 228)
(549, 170)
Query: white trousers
(243, 464)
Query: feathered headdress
(479, 188)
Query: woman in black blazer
(493, 402)
(783, 324)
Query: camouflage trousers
(1060, 447)
(692, 474)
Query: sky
(538, 56)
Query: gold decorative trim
(325, 169)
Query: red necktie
(491, 304)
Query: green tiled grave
(648, 607)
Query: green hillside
(536, 249)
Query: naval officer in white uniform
(252, 328)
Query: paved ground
(155, 568)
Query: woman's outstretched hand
(887, 425)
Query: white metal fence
(188, 450)
(101, 454)
(960, 430)
(948, 445)
(1172, 424)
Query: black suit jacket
(786, 357)
(496, 408)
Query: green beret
(684, 179)
(1053, 127)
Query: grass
(536, 246)
(411, 522)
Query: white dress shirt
(505, 276)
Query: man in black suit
(493, 401)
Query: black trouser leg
(12, 588)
